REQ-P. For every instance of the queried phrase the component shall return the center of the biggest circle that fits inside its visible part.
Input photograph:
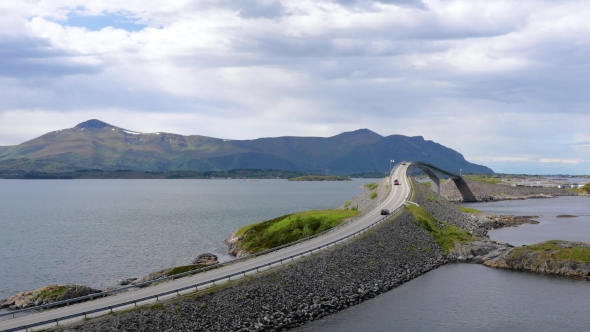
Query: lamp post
(460, 171)
(390, 162)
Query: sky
(505, 83)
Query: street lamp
(390, 162)
(460, 170)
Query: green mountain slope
(98, 145)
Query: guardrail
(179, 275)
(196, 286)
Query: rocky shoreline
(485, 192)
(46, 295)
(332, 280)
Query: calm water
(95, 232)
(550, 227)
(465, 297)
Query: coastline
(311, 311)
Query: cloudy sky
(506, 83)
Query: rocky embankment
(45, 295)
(233, 245)
(491, 221)
(329, 281)
(552, 257)
(286, 297)
(485, 192)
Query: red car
(395, 182)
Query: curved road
(396, 198)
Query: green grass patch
(373, 195)
(468, 210)
(489, 179)
(371, 186)
(291, 227)
(556, 250)
(52, 292)
(185, 268)
(347, 204)
(445, 236)
(427, 184)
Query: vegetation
(347, 204)
(445, 236)
(321, 178)
(185, 268)
(52, 292)
(485, 178)
(556, 250)
(586, 188)
(288, 228)
(371, 186)
(468, 210)
(427, 184)
(373, 195)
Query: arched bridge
(436, 173)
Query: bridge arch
(436, 173)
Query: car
(403, 163)
(384, 212)
(395, 182)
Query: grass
(371, 186)
(347, 204)
(292, 227)
(552, 250)
(373, 195)
(52, 292)
(489, 179)
(445, 236)
(185, 268)
(427, 184)
(468, 210)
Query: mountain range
(95, 144)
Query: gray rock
(206, 259)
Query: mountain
(95, 144)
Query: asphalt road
(396, 198)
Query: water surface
(95, 232)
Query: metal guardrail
(196, 286)
(179, 275)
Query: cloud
(562, 160)
(505, 83)
(404, 3)
(262, 9)
(24, 57)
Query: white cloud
(502, 82)
(561, 160)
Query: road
(396, 198)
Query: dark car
(384, 212)
(395, 182)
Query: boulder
(206, 259)
(46, 295)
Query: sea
(96, 232)
(470, 297)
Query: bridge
(436, 174)
(123, 299)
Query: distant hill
(95, 144)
